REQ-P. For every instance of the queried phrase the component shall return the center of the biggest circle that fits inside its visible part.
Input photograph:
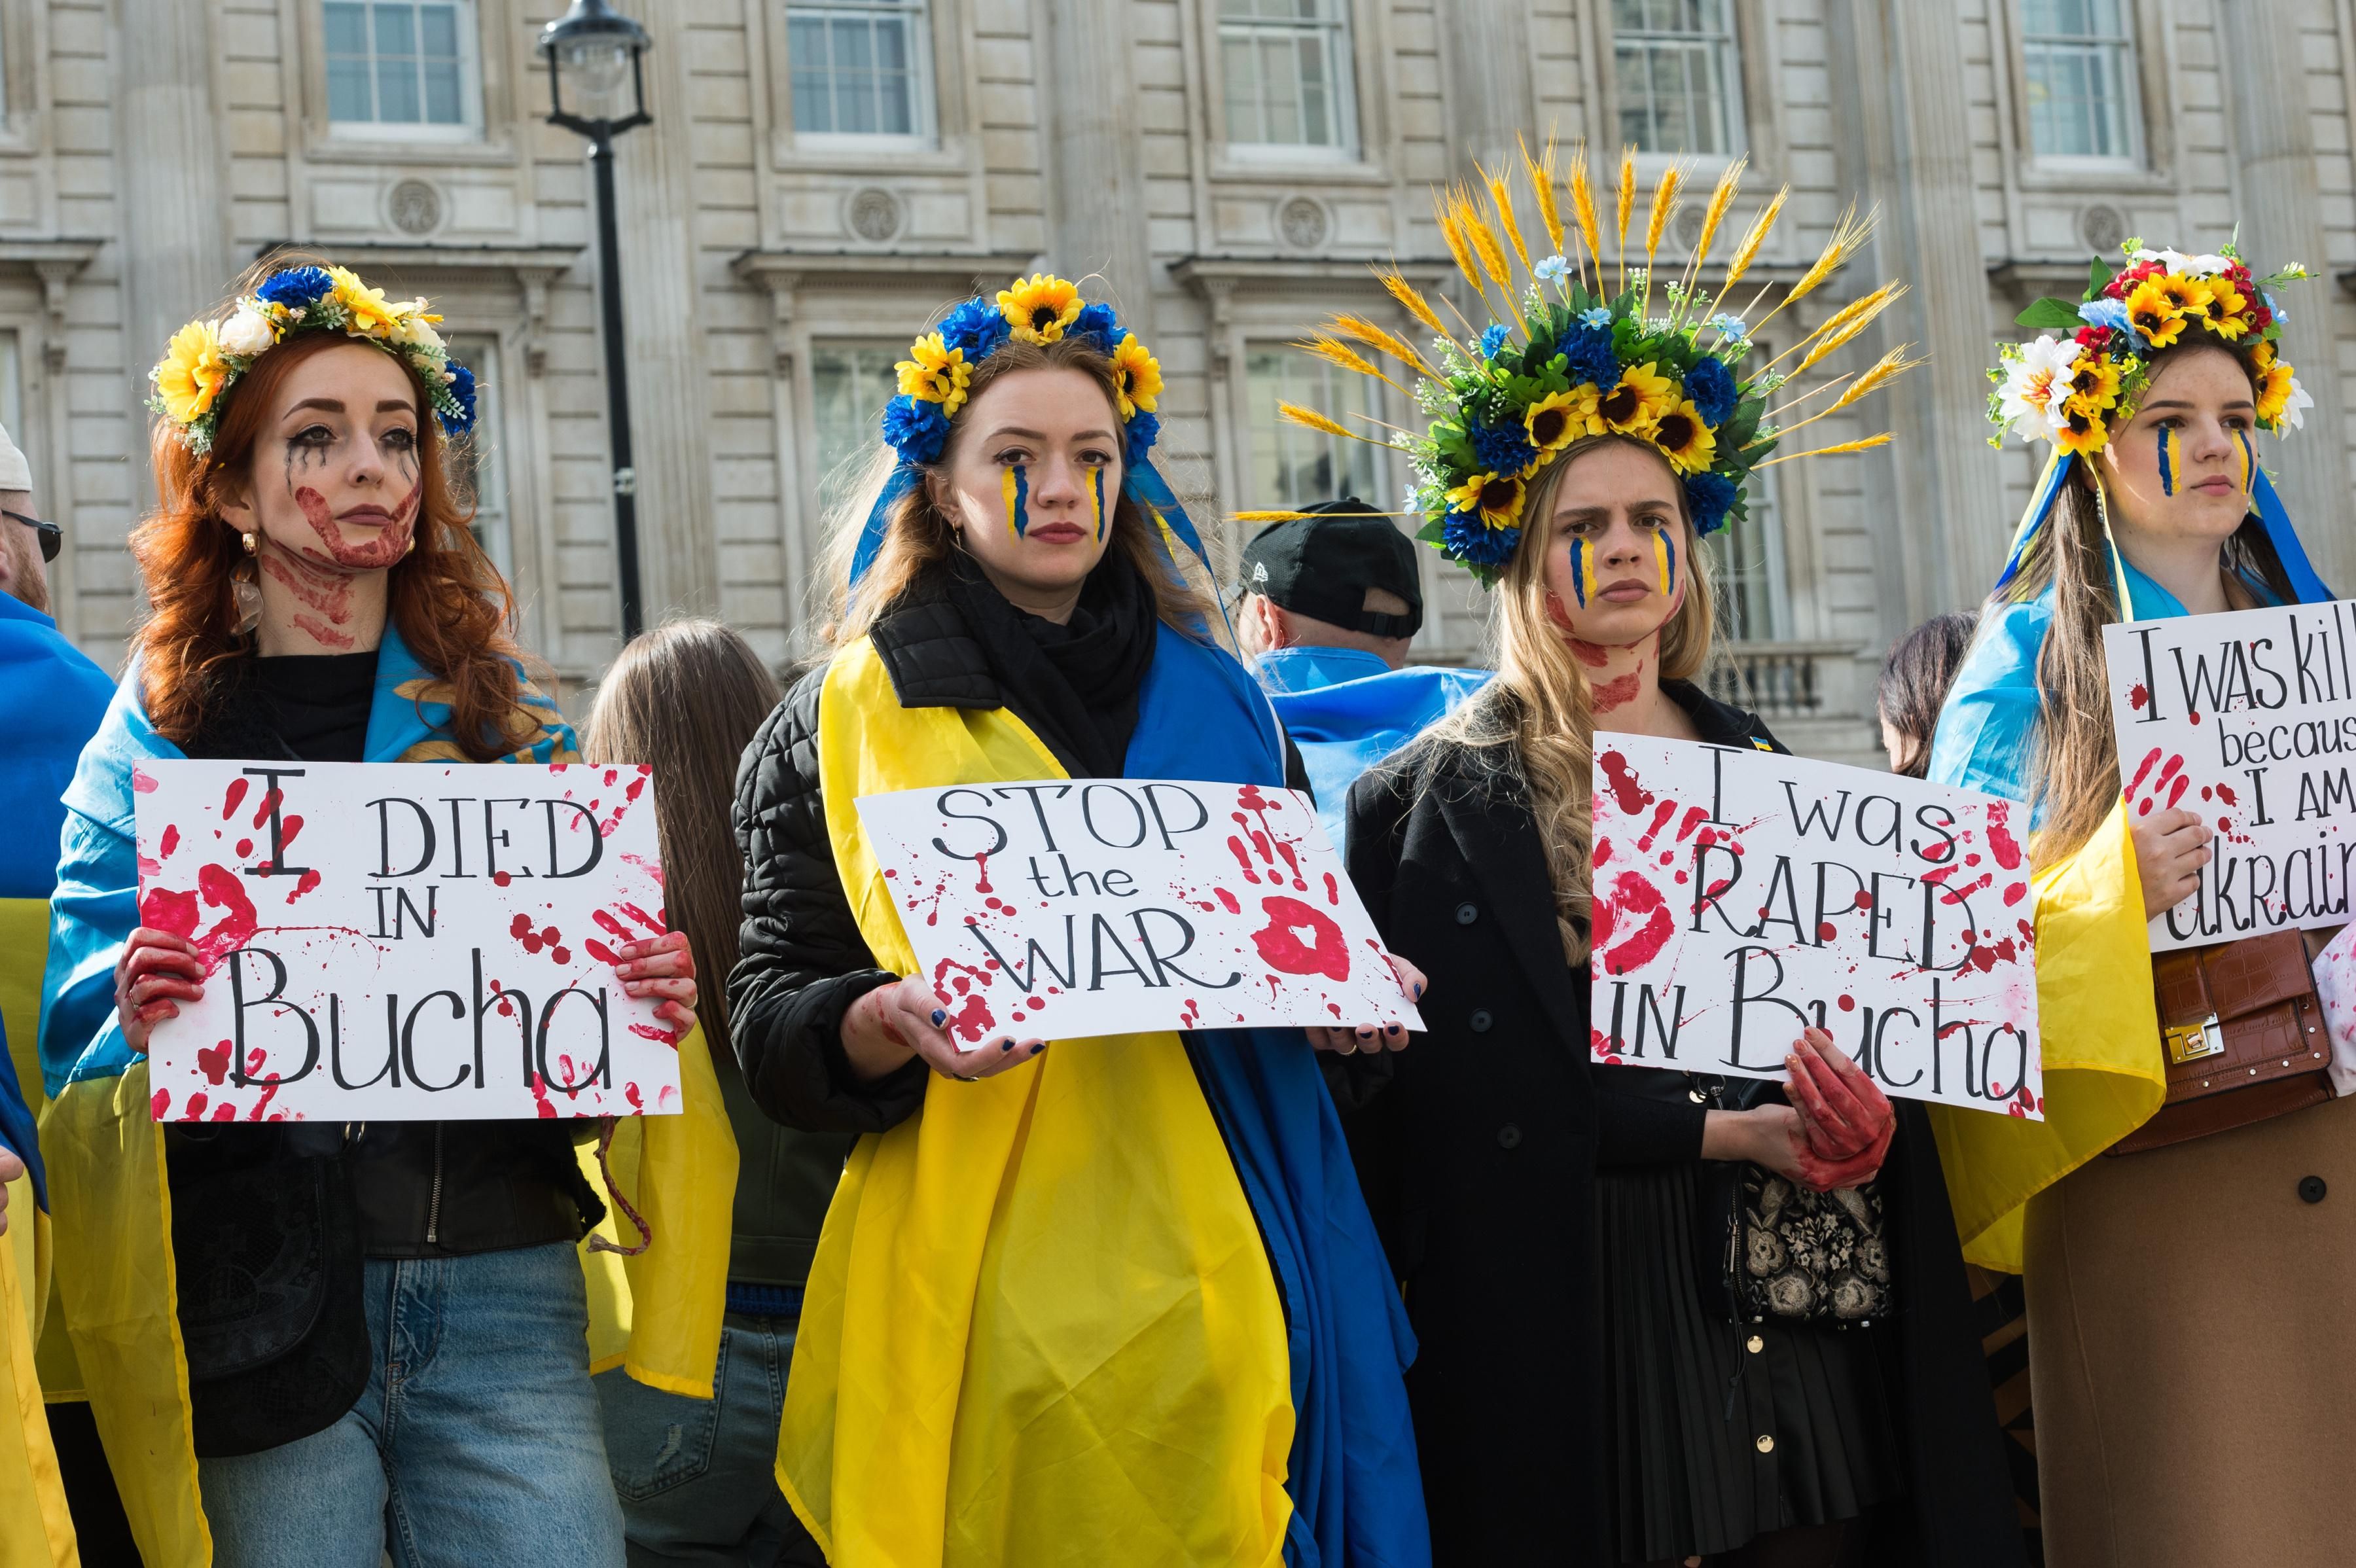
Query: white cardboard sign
(2247, 719)
(1741, 895)
(402, 942)
(1061, 908)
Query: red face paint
(391, 544)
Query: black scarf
(1075, 684)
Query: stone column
(1096, 185)
(2280, 211)
(172, 171)
(1937, 500)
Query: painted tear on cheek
(1665, 556)
(2249, 460)
(1583, 570)
(1097, 490)
(1014, 485)
(2167, 469)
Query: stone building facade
(820, 176)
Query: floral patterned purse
(1782, 1251)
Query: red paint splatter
(1632, 898)
(244, 848)
(195, 1110)
(2000, 840)
(501, 878)
(168, 911)
(2138, 696)
(670, 1038)
(612, 926)
(562, 955)
(1827, 930)
(271, 800)
(1691, 820)
(1235, 848)
(1603, 851)
(2149, 758)
(2015, 894)
(599, 952)
(981, 876)
(1332, 892)
(1848, 1004)
(630, 1093)
(236, 792)
(1326, 954)
(2194, 716)
(171, 840)
(650, 923)
(1630, 795)
(222, 889)
(1660, 815)
(213, 1062)
(541, 1108)
(2225, 793)
(160, 1104)
(1228, 899)
(2176, 791)
(141, 782)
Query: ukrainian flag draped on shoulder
(1123, 1304)
(106, 1152)
(2098, 1024)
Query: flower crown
(2073, 390)
(1036, 309)
(1578, 352)
(205, 358)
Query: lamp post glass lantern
(597, 88)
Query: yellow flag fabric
(1041, 1326)
(2098, 1026)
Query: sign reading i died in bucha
(404, 941)
(2246, 719)
(1741, 895)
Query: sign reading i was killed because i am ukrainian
(1062, 908)
(404, 941)
(1743, 896)
(2246, 719)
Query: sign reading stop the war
(402, 942)
(1741, 895)
(2246, 719)
(1061, 908)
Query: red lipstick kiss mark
(1631, 796)
(1326, 954)
(1634, 898)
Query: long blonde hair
(1534, 724)
(686, 698)
(919, 539)
(2076, 762)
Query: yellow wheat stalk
(1852, 388)
(1860, 316)
(1657, 222)
(1443, 208)
(1334, 352)
(1721, 197)
(1626, 199)
(1294, 413)
(1412, 301)
(1748, 252)
(1486, 245)
(1846, 236)
(1501, 193)
(1375, 336)
(1541, 178)
(1582, 205)
(1871, 441)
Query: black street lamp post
(593, 51)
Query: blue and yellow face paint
(1583, 584)
(1665, 556)
(2249, 459)
(2169, 463)
(1014, 484)
(1098, 491)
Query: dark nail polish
(939, 1017)
(1392, 1029)
(1006, 1044)
(1418, 993)
(1037, 1048)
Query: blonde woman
(1585, 1391)
(2176, 1295)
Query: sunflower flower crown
(939, 368)
(1577, 346)
(206, 357)
(2073, 390)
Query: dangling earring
(245, 587)
(409, 546)
(252, 541)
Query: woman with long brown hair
(1107, 1300)
(2177, 1293)
(687, 698)
(351, 1339)
(1589, 1390)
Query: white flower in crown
(2293, 413)
(2037, 387)
(2200, 266)
(247, 333)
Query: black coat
(1478, 1160)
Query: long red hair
(446, 599)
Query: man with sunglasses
(51, 698)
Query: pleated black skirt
(1721, 1433)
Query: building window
(475, 460)
(1747, 562)
(1294, 468)
(860, 67)
(2081, 69)
(850, 384)
(406, 69)
(1285, 65)
(1678, 71)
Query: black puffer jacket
(803, 962)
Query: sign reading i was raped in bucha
(2246, 719)
(404, 941)
(1741, 896)
(1062, 909)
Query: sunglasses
(53, 538)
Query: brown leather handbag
(2244, 1035)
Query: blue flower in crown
(1100, 327)
(915, 429)
(1502, 448)
(976, 329)
(1593, 360)
(1138, 437)
(297, 288)
(1712, 387)
(462, 392)
(1468, 539)
(1709, 497)
(1492, 339)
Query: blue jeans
(698, 1477)
(475, 1443)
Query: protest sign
(2246, 719)
(1062, 909)
(403, 942)
(1742, 896)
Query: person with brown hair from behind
(1914, 680)
(687, 697)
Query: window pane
(395, 29)
(442, 93)
(850, 384)
(347, 29)
(1675, 69)
(396, 91)
(1286, 69)
(347, 90)
(2078, 61)
(1292, 467)
(437, 27)
(857, 67)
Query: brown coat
(2190, 1310)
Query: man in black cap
(1328, 605)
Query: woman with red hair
(321, 1341)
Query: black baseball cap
(1322, 566)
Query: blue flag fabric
(1347, 709)
(1358, 1490)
